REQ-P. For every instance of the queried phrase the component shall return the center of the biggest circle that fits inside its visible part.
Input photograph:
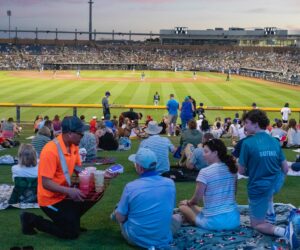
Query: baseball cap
(72, 124)
(107, 93)
(145, 158)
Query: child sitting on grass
(216, 187)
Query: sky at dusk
(151, 15)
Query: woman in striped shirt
(216, 187)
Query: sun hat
(145, 158)
(72, 124)
(153, 128)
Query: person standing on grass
(105, 106)
(262, 160)
(146, 205)
(156, 98)
(285, 112)
(187, 112)
(172, 107)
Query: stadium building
(269, 36)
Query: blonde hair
(27, 155)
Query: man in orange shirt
(60, 202)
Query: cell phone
(116, 169)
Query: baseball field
(126, 87)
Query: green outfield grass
(127, 88)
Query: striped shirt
(38, 142)
(161, 146)
(219, 196)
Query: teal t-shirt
(261, 155)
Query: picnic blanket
(189, 237)
(100, 161)
(5, 193)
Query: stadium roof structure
(270, 36)
(234, 36)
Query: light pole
(90, 19)
(9, 15)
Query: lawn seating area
(102, 232)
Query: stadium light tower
(9, 15)
(90, 22)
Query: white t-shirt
(285, 111)
(22, 171)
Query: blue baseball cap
(145, 158)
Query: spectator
(186, 114)
(9, 129)
(205, 128)
(131, 115)
(216, 186)
(161, 146)
(93, 124)
(146, 206)
(293, 135)
(285, 112)
(88, 141)
(105, 106)
(41, 139)
(217, 130)
(278, 132)
(27, 166)
(37, 121)
(195, 159)
(191, 135)
(172, 107)
(56, 123)
(262, 160)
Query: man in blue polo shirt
(172, 107)
(146, 206)
(262, 159)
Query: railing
(18, 107)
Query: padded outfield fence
(75, 107)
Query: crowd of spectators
(264, 62)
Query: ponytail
(219, 146)
(230, 161)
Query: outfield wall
(20, 106)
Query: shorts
(225, 221)
(258, 207)
(173, 119)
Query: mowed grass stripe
(237, 96)
(167, 89)
(214, 98)
(261, 94)
(10, 87)
(279, 95)
(141, 94)
(34, 94)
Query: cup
(91, 171)
(99, 180)
(84, 182)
